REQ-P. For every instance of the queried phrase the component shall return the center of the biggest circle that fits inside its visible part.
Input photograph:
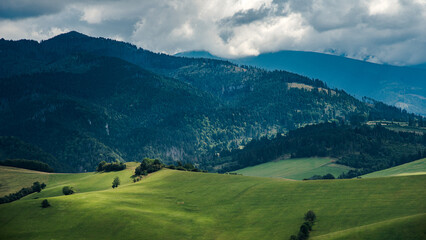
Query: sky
(380, 31)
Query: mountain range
(82, 100)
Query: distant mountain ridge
(404, 87)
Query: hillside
(394, 85)
(14, 148)
(413, 168)
(363, 147)
(84, 100)
(213, 206)
(296, 169)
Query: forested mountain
(398, 86)
(84, 99)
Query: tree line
(36, 187)
(362, 147)
(27, 164)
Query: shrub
(67, 190)
(45, 203)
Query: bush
(45, 203)
(67, 190)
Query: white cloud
(387, 31)
(92, 15)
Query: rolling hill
(413, 168)
(296, 168)
(173, 204)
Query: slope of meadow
(173, 204)
(413, 168)
(296, 169)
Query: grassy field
(296, 169)
(186, 205)
(413, 168)
(13, 179)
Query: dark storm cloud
(14, 9)
(247, 16)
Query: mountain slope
(85, 99)
(213, 206)
(398, 86)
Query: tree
(310, 216)
(100, 167)
(116, 182)
(305, 229)
(67, 190)
(36, 187)
(45, 203)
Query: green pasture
(173, 204)
(296, 168)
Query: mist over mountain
(84, 100)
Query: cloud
(384, 31)
(14, 9)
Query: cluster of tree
(184, 167)
(67, 190)
(27, 164)
(148, 166)
(327, 176)
(36, 187)
(306, 227)
(108, 167)
(115, 182)
(363, 147)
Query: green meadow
(297, 168)
(173, 204)
(412, 168)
